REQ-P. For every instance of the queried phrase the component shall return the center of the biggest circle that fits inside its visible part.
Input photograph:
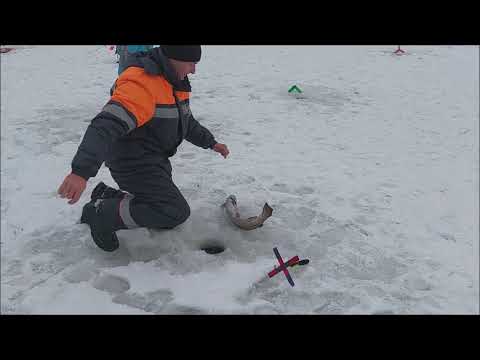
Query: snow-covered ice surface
(373, 175)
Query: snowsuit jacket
(143, 123)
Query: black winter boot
(103, 218)
(103, 191)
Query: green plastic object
(295, 88)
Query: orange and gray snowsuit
(146, 119)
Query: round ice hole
(213, 249)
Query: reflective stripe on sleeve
(122, 114)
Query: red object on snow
(5, 50)
(290, 262)
(399, 51)
(283, 266)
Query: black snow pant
(153, 200)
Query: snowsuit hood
(154, 62)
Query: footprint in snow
(111, 283)
(152, 302)
(80, 272)
(172, 309)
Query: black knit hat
(190, 53)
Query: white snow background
(373, 175)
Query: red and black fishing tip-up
(284, 265)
